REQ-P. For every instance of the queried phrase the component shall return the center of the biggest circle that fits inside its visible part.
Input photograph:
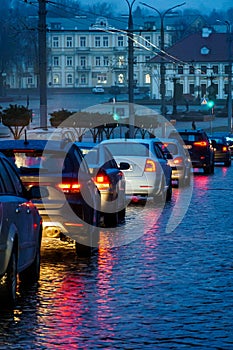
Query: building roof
(214, 47)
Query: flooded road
(163, 290)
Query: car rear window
(191, 137)
(33, 161)
(129, 149)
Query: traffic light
(210, 103)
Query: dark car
(20, 232)
(71, 203)
(222, 152)
(110, 180)
(199, 147)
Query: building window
(69, 41)
(97, 41)
(147, 58)
(106, 61)
(105, 41)
(147, 79)
(97, 61)
(56, 79)
(120, 41)
(203, 89)
(29, 81)
(215, 69)
(121, 61)
(83, 61)
(55, 61)
(147, 40)
(55, 41)
(69, 79)
(226, 69)
(83, 79)
(180, 70)
(203, 70)
(69, 61)
(101, 79)
(191, 89)
(83, 41)
(121, 78)
(191, 70)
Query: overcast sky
(203, 6)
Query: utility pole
(42, 29)
(162, 53)
(131, 70)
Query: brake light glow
(102, 181)
(69, 187)
(224, 149)
(150, 166)
(178, 160)
(201, 143)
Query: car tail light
(102, 181)
(201, 143)
(150, 166)
(224, 148)
(178, 160)
(69, 187)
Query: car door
(20, 212)
(165, 167)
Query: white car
(180, 163)
(98, 90)
(149, 174)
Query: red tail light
(102, 181)
(69, 187)
(150, 166)
(178, 160)
(201, 143)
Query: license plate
(187, 146)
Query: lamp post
(130, 69)
(229, 104)
(162, 65)
(42, 63)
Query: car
(199, 147)
(98, 89)
(109, 179)
(179, 161)
(71, 204)
(222, 152)
(149, 174)
(20, 232)
(51, 133)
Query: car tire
(32, 273)
(91, 217)
(10, 285)
(227, 163)
(111, 219)
(169, 192)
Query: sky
(203, 6)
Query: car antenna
(25, 138)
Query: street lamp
(229, 105)
(162, 65)
(130, 69)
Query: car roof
(34, 144)
(118, 140)
(86, 144)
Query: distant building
(199, 63)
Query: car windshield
(191, 137)
(129, 149)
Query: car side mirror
(38, 192)
(124, 166)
